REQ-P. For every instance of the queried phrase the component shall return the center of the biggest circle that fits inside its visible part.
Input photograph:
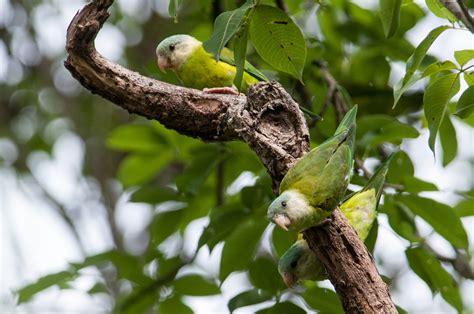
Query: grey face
(167, 49)
(277, 212)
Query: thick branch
(350, 266)
(268, 120)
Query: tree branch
(349, 266)
(459, 10)
(268, 120)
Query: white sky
(29, 229)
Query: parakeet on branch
(315, 185)
(300, 263)
(197, 68)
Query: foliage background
(123, 212)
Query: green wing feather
(323, 174)
(227, 56)
(361, 207)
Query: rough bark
(268, 120)
(349, 266)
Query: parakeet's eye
(293, 264)
(283, 203)
(172, 47)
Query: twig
(282, 5)
(334, 94)
(459, 10)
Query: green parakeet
(197, 68)
(315, 185)
(300, 263)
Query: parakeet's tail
(348, 121)
(378, 178)
(348, 124)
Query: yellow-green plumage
(196, 68)
(315, 185)
(300, 263)
(201, 70)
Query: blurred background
(110, 202)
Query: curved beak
(163, 63)
(289, 279)
(282, 221)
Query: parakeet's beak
(163, 63)
(289, 279)
(282, 221)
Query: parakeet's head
(288, 210)
(300, 263)
(174, 50)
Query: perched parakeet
(315, 185)
(300, 263)
(197, 68)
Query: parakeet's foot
(325, 221)
(221, 90)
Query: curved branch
(268, 120)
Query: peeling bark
(268, 120)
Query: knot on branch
(273, 125)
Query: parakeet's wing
(322, 175)
(360, 209)
(227, 56)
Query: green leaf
(173, 9)
(174, 305)
(440, 10)
(420, 52)
(323, 300)
(240, 247)
(377, 129)
(428, 268)
(278, 40)
(240, 51)
(465, 106)
(282, 240)
(400, 88)
(136, 138)
(248, 297)
(469, 78)
(449, 143)
(263, 273)
(221, 226)
(400, 221)
(163, 225)
(227, 24)
(284, 307)
(438, 67)
(154, 195)
(195, 285)
(464, 56)
(465, 208)
(136, 169)
(436, 100)
(390, 14)
(415, 185)
(98, 288)
(43, 283)
(441, 217)
(204, 160)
